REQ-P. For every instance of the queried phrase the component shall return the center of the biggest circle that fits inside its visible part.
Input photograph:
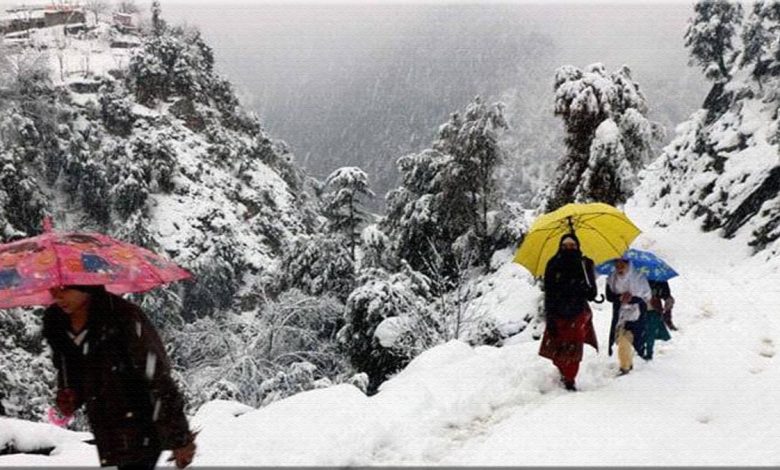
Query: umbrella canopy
(645, 262)
(30, 267)
(604, 232)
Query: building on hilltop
(25, 18)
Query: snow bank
(69, 448)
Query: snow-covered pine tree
(131, 192)
(317, 264)
(173, 62)
(760, 36)
(404, 298)
(94, 191)
(376, 249)
(116, 110)
(710, 36)
(607, 171)
(24, 205)
(584, 100)
(219, 278)
(472, 188)
(414, 210)
(158, 24)
(449, 193)
(25, 365)
(345, 188)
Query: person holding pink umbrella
(109, 358)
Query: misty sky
(311, 42)
(325, 77)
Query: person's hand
(626, 297)
(184, 455)
(67, 401)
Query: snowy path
(709, 397)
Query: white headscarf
(636, 284)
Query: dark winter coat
(569, 282)
(121, 374)
(636, 327)
(661, 291)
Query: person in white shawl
(629, 291)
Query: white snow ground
(708, 398)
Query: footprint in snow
(706, 310)
(767, 348)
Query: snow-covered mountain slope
(723, 166)
(139, 137)
(706, 398)
(190, 166)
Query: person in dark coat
(663, 293)
(569, 282)
(110, 359)
(656, 328)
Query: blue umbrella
(645, 262)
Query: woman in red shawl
(569, 282)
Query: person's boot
(668, 321)
(569, 385)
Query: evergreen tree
(94, 192)
(317, 264)
(760, 36)
(449, 192)
(24, 205)
(26, 374)
(343, 205)
(157, 159)
(116, 110)
(585, 100)
(380, 295)
(607, 173)
(710, 36)
(218, 275)
(415, 215)
(376, 249)
(472, 189)
(158, 25)
(131, 192)
(177, 62)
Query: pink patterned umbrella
(30, 267)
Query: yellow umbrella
(604, 233)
